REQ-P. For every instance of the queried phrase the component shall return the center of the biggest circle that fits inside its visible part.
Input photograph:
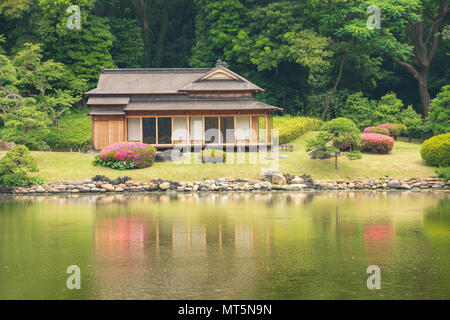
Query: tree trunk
(57, 126)
(333, 90)
(424, 94)
(424, 51)
(336, 161)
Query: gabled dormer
(220, 81)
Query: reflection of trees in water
(436, 222)
(270, 199)
(189, 245)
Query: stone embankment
(276, 181)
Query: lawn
(403, 162)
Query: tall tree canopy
(309, 55)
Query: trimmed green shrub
(126, 155)
(290, 128)
(212, 156)
(21, 179)
(345, 132)
(337, 133)
(436, 150)
(378, 143)
(15, 167)
(443, 173)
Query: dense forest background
(309, 55)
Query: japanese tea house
(178, 106)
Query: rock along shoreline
(272, 182)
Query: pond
(226, 246)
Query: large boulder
(169, 155)
(278, 179)
(394, 184)
(164, 186)
(297, 180)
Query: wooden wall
(107, 130)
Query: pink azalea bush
(394, 129)
(374, 142)
(126, 155)
(379, 130)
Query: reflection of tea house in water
(178, 106)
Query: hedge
(290, 128)
(436, 150)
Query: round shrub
(346, 144)
(436, 150)
(212, 156)
(378, 130)
(345, 132)
(126, 155)
(374, 142)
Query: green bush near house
(436, 150)
(290, 128)
(15, 167)
(74, 133)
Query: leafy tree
(34, 75)
(412, 120)
(274, 35)
(336, 133)
(128, 46)
(409, 35)
(8, 80)
(331, 19)
(57, 105)
(439, 118)
(388, 109)
(86, 51)
(217, 23)
(29, 98)
(360, 110)
(25, 124)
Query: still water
(226, 246)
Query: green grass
(403, 162)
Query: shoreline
(275, 182)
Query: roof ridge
(151, 70)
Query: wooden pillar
(142, 129)
(156, 123)
(188, 133)
(269, 128)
